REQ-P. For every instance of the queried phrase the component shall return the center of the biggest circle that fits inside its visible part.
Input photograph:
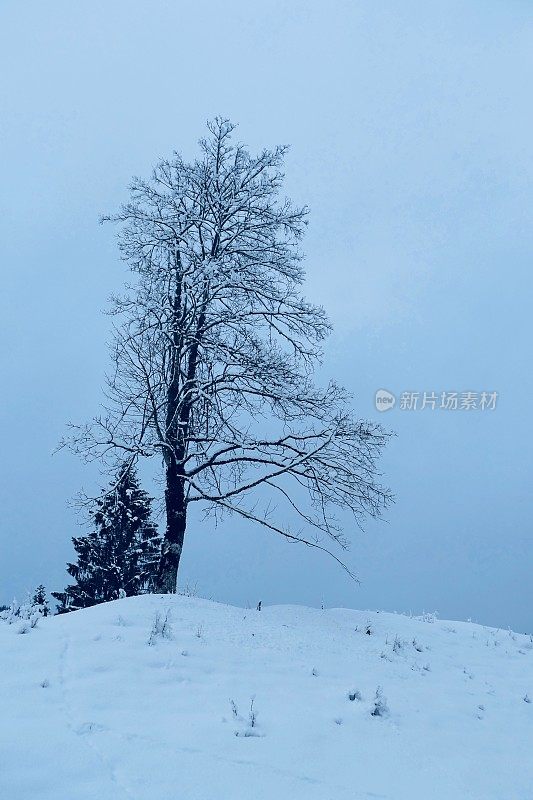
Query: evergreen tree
(120, 557)
(39, 601)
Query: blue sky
(410, 125)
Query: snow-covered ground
(91, 710)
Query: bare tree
(214, 349)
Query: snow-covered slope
(91, 710)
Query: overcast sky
(411, 133)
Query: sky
(410, 131)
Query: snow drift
(173, 697)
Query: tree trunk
(176, 512)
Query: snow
(90, 709)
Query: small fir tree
(39, 601)
(120, 557)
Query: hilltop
(160, 697)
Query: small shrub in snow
(527, 699)
(189, 590)
(252, 715)
(381, 708)
(161, 628)
(397, 645)
(338, 720)
(248, 733)
(24, 627)
(45, 684)
(29, 613)
(250, 728)
(12, 613)
(314, 672)
(27, 620)
(429, 618)
(356, 695)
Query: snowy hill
(111, 703)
